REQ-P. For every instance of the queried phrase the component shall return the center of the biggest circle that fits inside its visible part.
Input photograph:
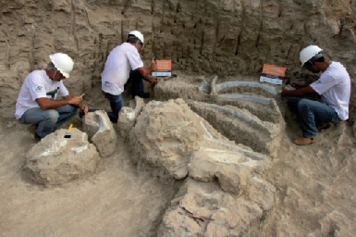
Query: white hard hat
(138, 34)
(63, 63)
(308, 53)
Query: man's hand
(153, 80)
(153, 66)
(74, 100)
(84, 108)
(300, 92)
(284, 92)
(298, 84)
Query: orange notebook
(164, 68)
(273, 74)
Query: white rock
(57, 160)
(101, 132)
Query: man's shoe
(305, 141)
(37, 137)
(324, 126)
(142, 95)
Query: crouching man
(37, 104)
(334, 87)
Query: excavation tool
(69, 134)
(169, 78)
(194, 217)
(82, 95)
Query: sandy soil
(116, 201)
(315, 184)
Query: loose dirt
(116, 201)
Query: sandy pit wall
(211, 37)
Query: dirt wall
(225, 37)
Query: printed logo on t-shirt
(38, 88)
(107, 84)
(318, 81)
(52, 93)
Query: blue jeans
(311, 114)
(116, 103)
(47, 120)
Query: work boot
(305, 141)
(142, 95)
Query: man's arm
(299, 84)
(46, 103)
(145, 70)
(150, 79)
(298, 92)
(80, 106)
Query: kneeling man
(37, 104)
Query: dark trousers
(136, 83)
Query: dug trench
(236, 163)
(217, 156)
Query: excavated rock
(164, 136)
(221, 177)
(188, 87)
(241, 126)
(257, 98)
(57, 160)
(224, 214)
(128, 116)
(249, 119)
(90, 124)
(247, 87)
(101, 132)
(266, 109)
(232, 168)
(170, 137)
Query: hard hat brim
(63, 73)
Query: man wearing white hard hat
(37, 101)
(334, 87)
(124, 62)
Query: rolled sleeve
(134, 59)
(63, 91)
(324, 83)
(37, 89)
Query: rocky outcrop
(214, 37)
(184, 86)
(243, 111)
(241, 126)
(173, 142)
(209, 211)
(128, 116)
(57, 160)
(101, 132)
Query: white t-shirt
(334, 86)
(117, 69)
(37, 85)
